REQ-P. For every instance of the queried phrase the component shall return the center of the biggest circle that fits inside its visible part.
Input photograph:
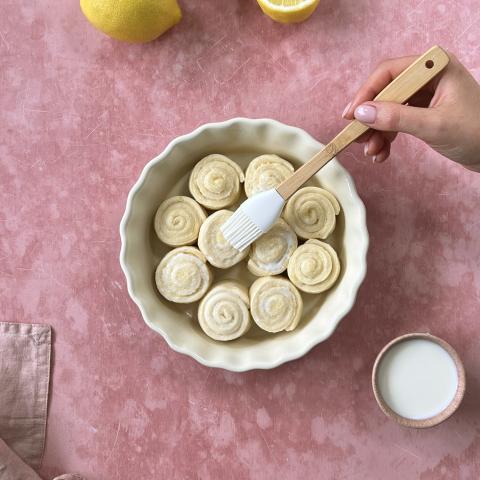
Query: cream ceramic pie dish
(168, 174)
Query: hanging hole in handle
(429, 63)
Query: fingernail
(366, 113)
(365, 149)
(374, 159)
(347, 108)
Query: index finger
(383, 74)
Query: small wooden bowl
(444, 414)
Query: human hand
(445, 113)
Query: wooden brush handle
(410, 81)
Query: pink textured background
(80, 116)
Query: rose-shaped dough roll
(213, 245)
(178, 220)
(224, 312)
(215, 182)
(275, 304)
(266, 172)
(183, 275)
(311, 212)
(269, 254)
(314, 266)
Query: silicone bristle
(240, 230)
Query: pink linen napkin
(12, 467)
(24, 378)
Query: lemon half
(288, 11)
(135, 21)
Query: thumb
(394, 117)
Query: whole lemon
(132, 20)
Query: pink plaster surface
(81, 115)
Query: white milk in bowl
(417, 378)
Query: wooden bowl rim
(444, 414)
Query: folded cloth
(12, 467)
(24, 377)
(69, 476)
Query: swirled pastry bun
(266, 172)
(224, 312)
(215, 182)
(183, 275)
(178, 220)
(314, 267)
(213, 244)
(275, 304)
(311, 212)
(269, 254)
